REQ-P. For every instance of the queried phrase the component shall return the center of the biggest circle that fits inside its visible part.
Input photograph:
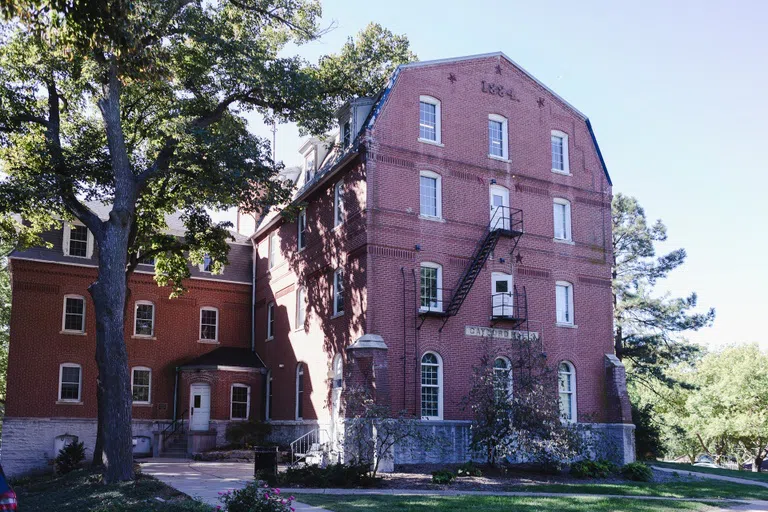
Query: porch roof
(225, 357)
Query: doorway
(199, 406)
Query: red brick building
(463, 208)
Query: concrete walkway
(732, 479)
(206, 481)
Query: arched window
(430, 195)
(338, 371)
(301, 308)
(300, 391)
(560, 162)
(564, 303)
(502, 377)
(562, 219)
(268, 396)
(431, 387)
(429, 120)
(497, 136)
(566, 374)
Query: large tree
(140, 104)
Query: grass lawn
(341, 503)
(82, 490)
(684, 468)
(670, 489)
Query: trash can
(265, 464)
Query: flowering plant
(253, 498)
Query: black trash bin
(265, 464)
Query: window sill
(567, 326)
(209, 342)
(143, 337)
(78, 257)
(300, 329)
(431, 310)
(431, 418)
(430, 217)
(563, 173)
(237, 419)
(432, 142)
(337, 315)
(68, 402)
(74, 333)
(563, 241)
(499, 158)
(142, 404)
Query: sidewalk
(732, 479)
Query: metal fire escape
(505, 222)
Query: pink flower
(276, 491)
(293, 509)
(291, 498)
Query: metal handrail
(506, 218)
(301, 447)
(516, 308)
(435, 301)
(174, 426)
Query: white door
(502, 294)
(336, 387)
(499, 207)
(199, 406)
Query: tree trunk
(98, 449)
(109, 294)
(757, 464)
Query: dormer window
(78, 241)
(346, 134)
(309, 167)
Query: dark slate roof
(226, 356)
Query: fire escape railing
(511, 306)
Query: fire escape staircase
(505, 222)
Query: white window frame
(301, 234)
(439, 416)
(566, 164)
(301, 309)
(272, 249)
(346, 133)
(439, 298)
(79, 384)
(508, 364)
(309, 171)
(64, 315)
(300, 372)
(560, 320)
(572, 381)
(338, 283)
(338, 204)
(210, 264)
(438, 120)
(200, 329)
(66, 238)
(149, 394)
(270, 321)
(438, 193)
(568, 235)
(136, 318)
(247, 402)
(267, 393)
(504, 137)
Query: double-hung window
(301, 230)
(497, 136)
(207, 265)
(430, 194)
(209, 324)
(564, 302)
(301, 305)
(270, 320)
(566, 383)
(502, 378)
(338, 292)
(431, 287)
(78, 241)
(141, 385)
(240, 403)
(560, 152)
(144, 322)
(346, 134)
(300, 391)
(70, 382)
(272, 258)
(429, 119)
(74, 314)
(309, 167)
(562, 219)
(431, 387)
(338, 204)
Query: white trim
(566, 163)
(270, 321)
(301, 237)
(504, 137)
(568, 235)
(336, 311)
(200, 327)
(569, 304)
(300, 396)
(301, 309)
(79, 384)
(438, 120)
(149, 393)
(267, 392)
(64, 329)
(66, 240)
(338, 203)
(136, 318)
(201, 267)
(508, 363)
(439, 297)
(572, 381)
(247, 402)
(272, 250)
(439, 385)
(438, 195)
(500, 303)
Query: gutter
(599, 153)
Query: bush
(253, 498)
(70, 457)
(333, 475)
(247, 434)
(443, 476)
(637, 471)
(593, 468)
(469, 469)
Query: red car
(7, 495)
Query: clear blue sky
(676, 92)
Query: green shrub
(70, 457)
(253, 498)
(246, 434)
(333, 475)
(637, 471)
(469, 469)
(593, 468)
(443, 477)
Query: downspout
(175, 393)
(253, 296)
